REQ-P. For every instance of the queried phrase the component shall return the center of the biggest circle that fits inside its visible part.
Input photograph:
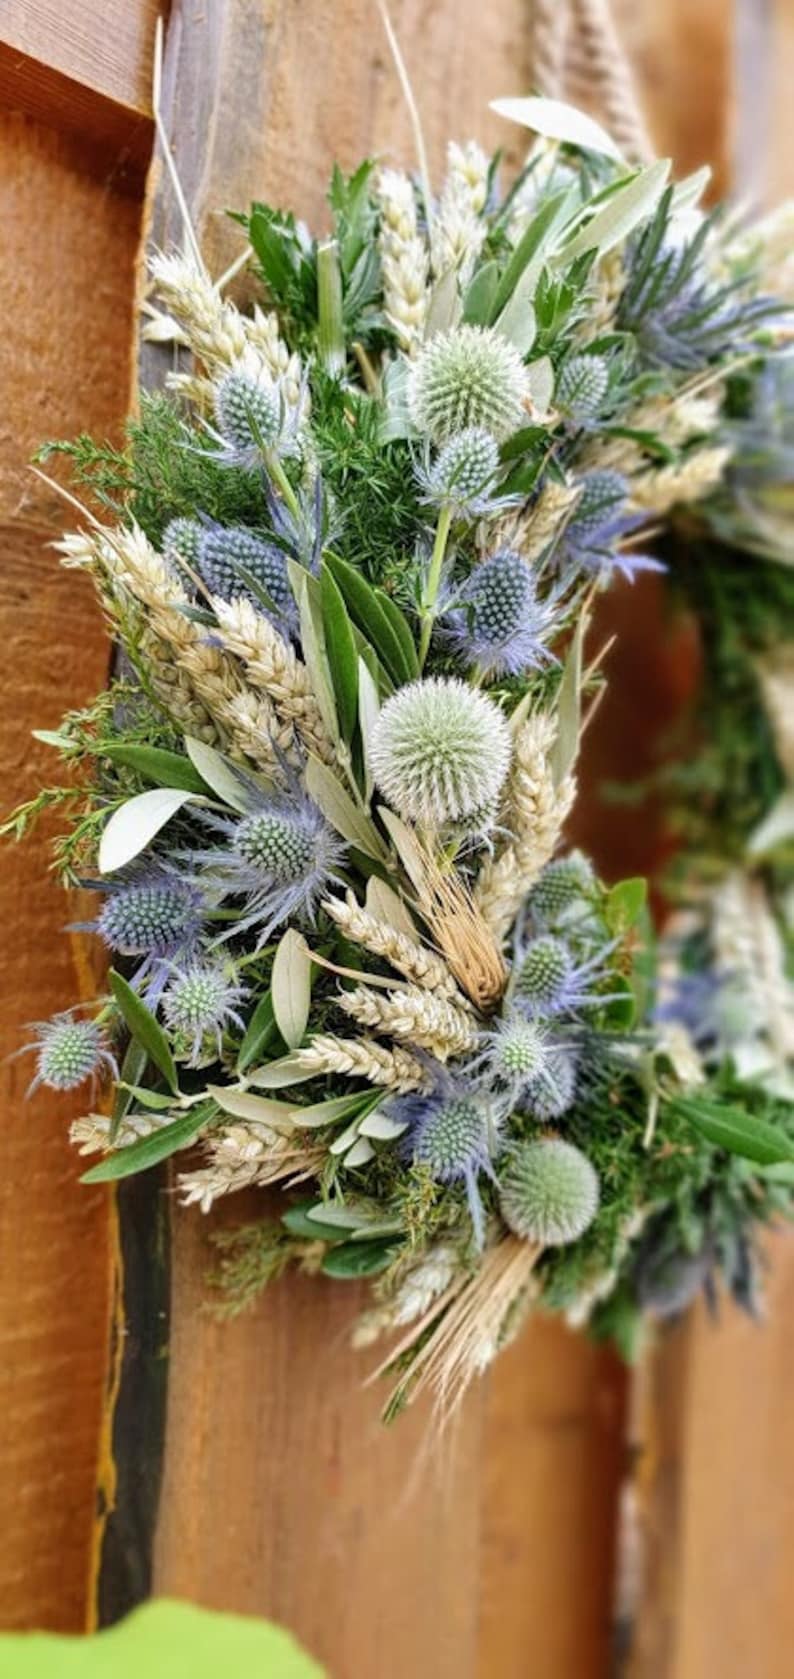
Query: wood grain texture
(282, 1494)
(86, 68)
(63, 365)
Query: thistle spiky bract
(70, 1051)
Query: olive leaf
(337, 806)
(291, 987)
(220, 774)
(136, 823)
(144, 1028)
(557, 121)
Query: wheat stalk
(394, 1069)
(417, 1016)
(273, 669)
(536, 812)
(411, 959)
(403, 255)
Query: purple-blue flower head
(495, 620)
(452, 1131)
(599, 524)
(279, 859)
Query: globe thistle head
(599, 524)
(280, 859)
(439, 751)
(468, 376)
(548, 1192)
(582, 385)
(463, 474)
(69, 1051)
(550, 980)
(497, 623)
(181, 539)
(452, 1132)
(200, 1002)
(224, 553)
(561, 890)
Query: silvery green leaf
(135, 824)
(291, 986)
(360, 1153)
(219, 773)
(381, 1127)
(557, 121)
(405, 844)
(540, 379)
(339, 809)
(368, 708)
(348, 1217)
(623, 210)
(327, 1113)
(776, 826)
(688, 192)
(566, 746)
(396, 423)
(277, 1075)
(444, 307)
(346, 1139)
(517, 321)
(306, 590)
(241, 1105)
(386, 905)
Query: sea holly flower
(200, 1002)
(253, 419)
(69, 1051)
(582, 385)
(497, 622)
(463, 475)
(279, 859)
(561, 893)
(548, 1192)
(551, 981)
(468, 376)
(598, 524)
(523, 1058)
(159, 916)
(439, 751)
(452, 1130)
(225, 551)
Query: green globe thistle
(548, 1192)
(520, 1051)
(469, 376)
(69, 1051)
(439, 751)
(279, 845)
(181, 539)
(582, 384)
(561, 887)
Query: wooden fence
(576, 1522)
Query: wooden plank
(63, 365)
(86, 68)
(282, 1495)
(713, 1513)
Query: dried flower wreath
(349, 558)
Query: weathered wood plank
(64, 357)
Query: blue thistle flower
(495, 620)
(200, 1002)
(681, 315)
(529, 1064)
(582, 385)
(158, 916)
(253, 420)
(69, 1051)
(550, 981)
(561, 892)
(599, 522)
(222, 551)
(452, 1130)
(463, 474)
(280, 858)
(181, 539)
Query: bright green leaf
(144, 1028)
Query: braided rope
(578, 54)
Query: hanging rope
(578, 55)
